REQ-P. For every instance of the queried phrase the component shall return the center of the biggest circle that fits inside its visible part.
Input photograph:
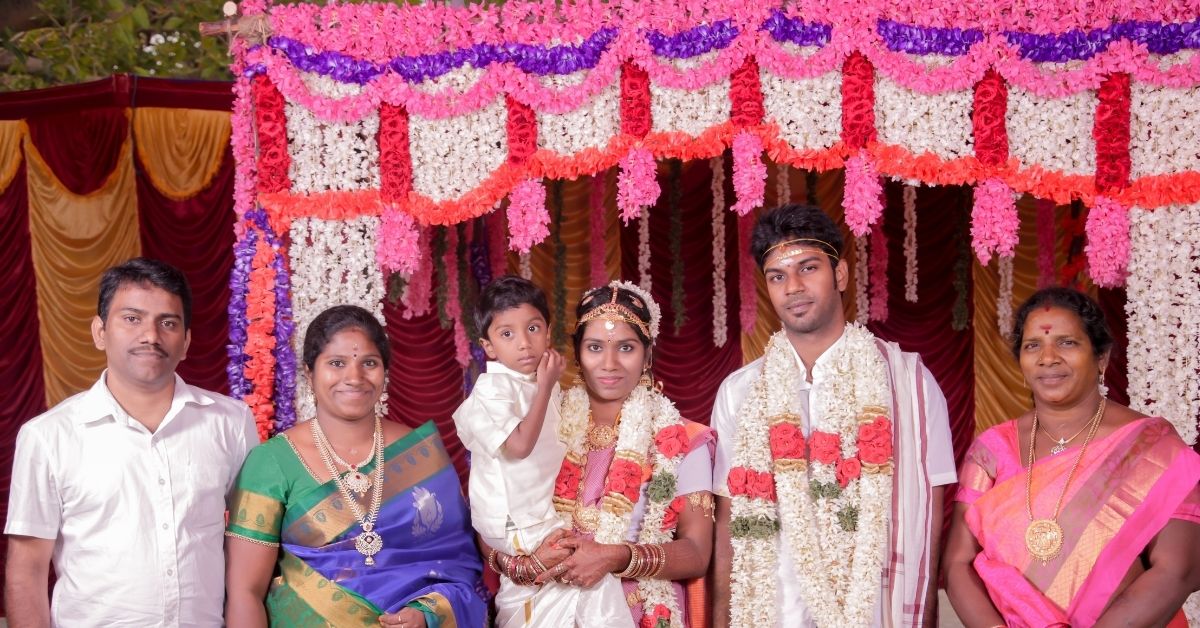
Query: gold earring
(647, 379)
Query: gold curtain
(180, 149)
(74, 239)
(12, 132)
(1000, 392)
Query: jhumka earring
(647, 379)
(1102, 386)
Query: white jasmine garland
(1163, 130)
(1054, 133)
(862, 298)
(808, 111)
(643, 260)
(327, 155)
(720, 313)
(332, 263)
(838, 569)
(925, 123)
(453, 156)
(590, 126)
(1163, 309)
(689, 111)
(1004, 298)
(910, 243)
(643, 415)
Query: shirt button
(161, 482)
(170, 572)
(165, 526)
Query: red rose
(826, 447)
(653, 619)
(566, 485)
(762, 486)
(625, 478)
(672, 441)
(787, 441)
(671, 518)
(875, 441)
(737, 480)
(848, 469)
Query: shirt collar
(819, 364)
(496, 367)
(98, 402)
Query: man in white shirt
(833, 452)
(123, 486)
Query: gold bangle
(631, 568)
(491, 562)
(662, 560)
(541, 567)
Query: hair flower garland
(1107, 242)
(994, 221)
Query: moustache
(155, 349)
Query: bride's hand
(550, 552)
(588, 563)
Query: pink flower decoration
(396, 246)
(596, 247)
(528, 219)
(994, 221)
(418, 294)
(749, 172)
(1107, 242)
(462, 346)
(861, 199)
(637, 185)
(878, 264)
(747, 281)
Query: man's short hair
(506, 293)
(143, 271)
(791, 222)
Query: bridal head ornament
(613, 311)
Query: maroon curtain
(1112, 303)
(425, 381)
(81, 147)
(686, 361)
(119, 90)
(926, 326)
(196, 236)
(21, 357)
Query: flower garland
(808, 111)
(528, 220)
(863, 192)
(878, 265)
(747, 275)
(829, 495)
(1107, 248)
(910, 244)
(650, 428)
(637, 187)
(720, 314)
(862, 296)
(328, 155)
(418, 291)
(1004, 298)
(284, 328)
(239, 289)
(939, 124)
(749, 172)
(332, 263)
(645, 281)
(995, 223)
(1164, 316)
(260, 339)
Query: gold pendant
(586, 518)
(358, 482)
(601, 437)
(1044, 539)
(1059, 448)
(369, 543)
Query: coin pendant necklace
(368, 542)
(1044, 537)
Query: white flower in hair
(651, 305)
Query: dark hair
(793, 221)
(1074, 301)
(340, 318)
(144, 271)
(599, 296)
(506, 293)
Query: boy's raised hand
(550, 368)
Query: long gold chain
(1094, 423)
(368, 543)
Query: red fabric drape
(21, 358)
(119, 90)
(425, 381)
(197, 237)
(687, 363)
(81, 147)
(925, 326)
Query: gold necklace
(1060, 444)
(602, 436)
(1044, 537)
(358, 481)
(368, 543)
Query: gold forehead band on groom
(824, 247)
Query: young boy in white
(509, 423)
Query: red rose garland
(271, 125)
(395, 159)
(1111, 132)
(745, 95)
(988, 119)
(522, 130)
(858, 101)
(635, 100)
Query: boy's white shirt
(501, 488)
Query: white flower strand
(1163, 306)
(1053, 133)
(1163, 134)
(862, 298)
(910, 244)
(453, 156)
(332, 263)
(934, 123)
(643, 260)
(808, 111)
(1004, 299)
(720, 312)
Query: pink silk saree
(1127, 487)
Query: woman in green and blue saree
(321, 534)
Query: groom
(832, 457)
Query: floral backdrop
(361, 130)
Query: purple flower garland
(918, 40)
(239, 280)
(790, 30)
(285, 327)
(694, 41)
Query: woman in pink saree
(1080, 512)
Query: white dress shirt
(137, 517)
(730, 397)
(501, 488)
